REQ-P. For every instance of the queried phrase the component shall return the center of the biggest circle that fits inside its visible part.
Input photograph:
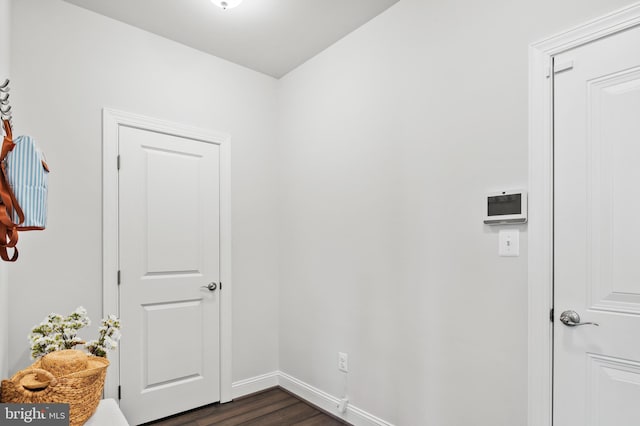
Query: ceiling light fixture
(226, 4)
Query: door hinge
(220, 285)
(551, 315)
(118, 161)
(118, 277)
(119, 392)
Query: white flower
(57, 332)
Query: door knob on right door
(572, 319)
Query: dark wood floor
(273, 407)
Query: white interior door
(169, 197)
(597, 233)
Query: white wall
(5, 37)
(69, 63)
(388, 141)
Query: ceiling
(269, 36)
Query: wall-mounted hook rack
(5, 107)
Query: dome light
(226, 4)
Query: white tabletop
(107, 414)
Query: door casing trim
(540, 261)
(111, 121)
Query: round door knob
(211, 286)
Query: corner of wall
(314, 396)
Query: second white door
(169, 198)
(597, 233)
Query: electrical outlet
(343, 362)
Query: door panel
(169, 250)
(614, 391)
(613, 105)
(596, 233)
(160, 317)
(164, 191)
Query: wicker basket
(81, 389)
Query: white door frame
(540, 275)
(111, 121)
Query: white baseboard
(315, 396)
(254, 384)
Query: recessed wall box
(505, 207)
